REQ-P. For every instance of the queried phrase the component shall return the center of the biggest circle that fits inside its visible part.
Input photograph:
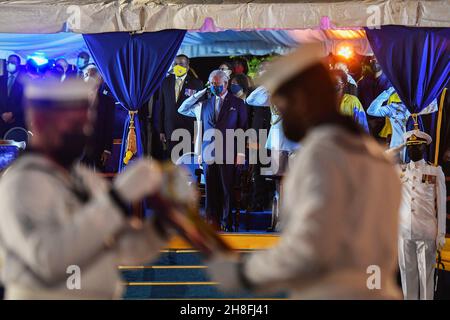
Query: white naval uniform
(276, 139)
(45, 228)
(420, 224)
(340, 222)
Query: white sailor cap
(416, 137)
(285, 68)
(55, 93)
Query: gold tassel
(416, 123)
(131, 147)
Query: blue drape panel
(416, 61)
(133, 66)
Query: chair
(18, 134)
(190, 162)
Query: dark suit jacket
(71, 72)
(233, 115)
(12, 103)
(169, 117)
(102, 137)
(104, 124)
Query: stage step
(180, 271)
(172, 278)
(252, 221)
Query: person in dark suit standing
(99, 149)
(65, 69)
(218, 114)
(174, 90)
(11, 93)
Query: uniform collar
(416, 164)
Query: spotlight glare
(345, 52)
(39, 59)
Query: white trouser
(279, 165)
(417, 259)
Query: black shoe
(226, 228)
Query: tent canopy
(196, 44)
(93, 16)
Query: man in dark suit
(11, 93)
(174, 90)
(219, 113)
(100, 146)
(65, 69)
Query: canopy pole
(438, 127)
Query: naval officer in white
(422, 219)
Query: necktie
(10, 83)
(217, 107)
(178, 86)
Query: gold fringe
(131, 146)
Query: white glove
(200, 94)
(140, 179)
(440, 241)
(390, 91)
(224, 270)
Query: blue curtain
(416, 61)
(133, 66)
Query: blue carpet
(252, 222)
(180, 275)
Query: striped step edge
(170, 283)
(237, 241)
(160, 267)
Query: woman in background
(240, 85)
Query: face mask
(416, 152)
(216, 90)
(179, 71)
(11, 67)
(375, 66)
(235, 88)
(71, 149)
(81, 63)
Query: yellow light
(345, 34)
(345, 52)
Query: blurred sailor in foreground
(57, 216)
(341, 200)
(422, 219)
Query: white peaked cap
(287, 67)
(57, 91)
(418, 134)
